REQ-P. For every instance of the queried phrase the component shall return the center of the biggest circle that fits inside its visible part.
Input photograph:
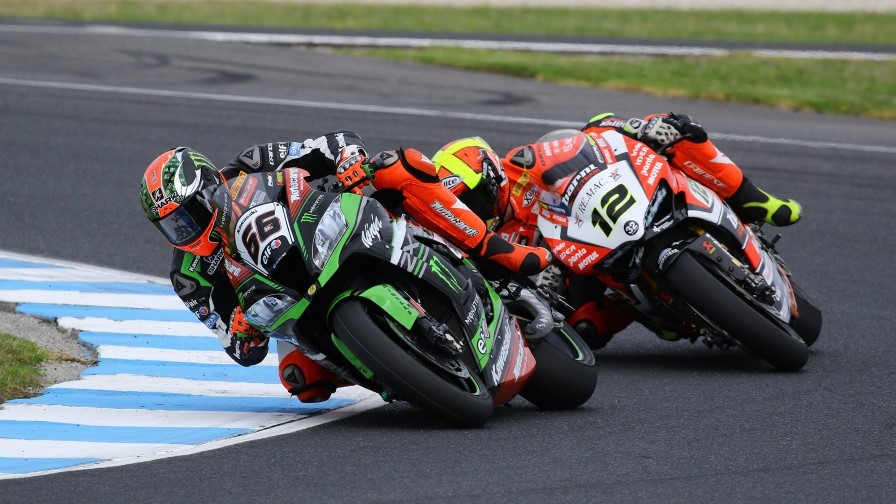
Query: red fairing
(520, 366)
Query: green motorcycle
(390, 307)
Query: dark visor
(186, 224)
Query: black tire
(808, 324)
(405, 374)
(565, 372)
(774, 342)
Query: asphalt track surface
(670, 422)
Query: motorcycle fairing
(704, 204)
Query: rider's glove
(687, 127)
(351, 168)
(656, 131)
(245, 338)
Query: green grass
(835, 86)
(833, 28)
(19, 367)
(845, 87)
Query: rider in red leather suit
(465, 167)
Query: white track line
(98, 324)
(111, 417)
(151, 384)
(422, 42)
(354, 107)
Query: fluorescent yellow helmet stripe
(445, 158)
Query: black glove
(687, 127)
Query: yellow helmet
(471, 169)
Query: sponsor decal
(237, 185)
(473, 307)
(451, 181)
(520, 356)
(258, 198)
(248, 189)
(498, 368)
(525, 157)
(530, 196)
(295, 148)
(282, 149)
(215, 261)
(271, 154)
(588, 260)
(520, 184)
(592, 190)
(371, 232)
(183, 285)
(580, 177)
(193, 265)
(274, 245)
(460, 224)
(309, 217)
(203, 311)
(294, 194)
(211, 321)
(705, 175)
(631, 228)
(564, 254)
(576, 257)
(270, 177)
(232, 269)
(708, 245)
(251, 157)
(316, 203)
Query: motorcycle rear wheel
(702, 290)
(565, 371)
(408, 376)
(808, 324)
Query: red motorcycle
(611, 207)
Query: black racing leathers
(201, 282)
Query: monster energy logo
(435, 264)
(309, 217)
(200, 161)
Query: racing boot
(597, 321)
(704, 162)
(752, 204)
(522, 259)
(306, 379)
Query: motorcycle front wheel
(565, 371)
(720, 304)
(462, 402)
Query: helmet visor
(186, 224)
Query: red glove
(351, 168)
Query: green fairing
(393, 303)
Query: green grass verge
(832, 28)
(835, 86)
(845, 87)
(19, 367)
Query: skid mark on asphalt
(163, 386)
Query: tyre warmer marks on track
(163, 385)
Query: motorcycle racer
(507, 195)
(177, 190)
